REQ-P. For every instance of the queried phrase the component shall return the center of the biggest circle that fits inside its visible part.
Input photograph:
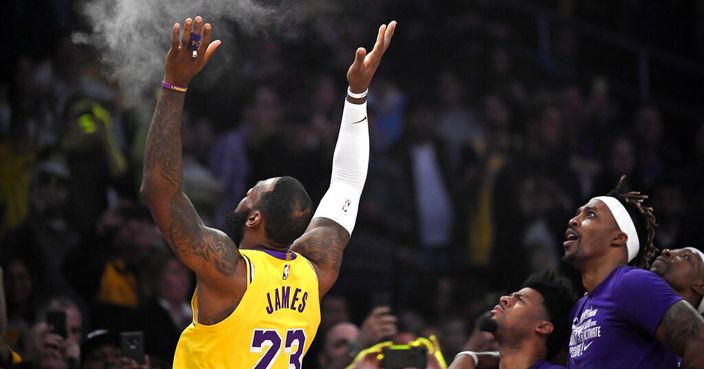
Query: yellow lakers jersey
(273, 325)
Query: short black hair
(558, 299)
(287, 209)
(644, 220)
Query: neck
(691, 297)
(520, 356)
(597, 272)
(254, 242)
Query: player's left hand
(364, 66)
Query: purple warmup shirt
(540, 364)
(614, 325)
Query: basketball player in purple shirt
(683, 269)
(629, 317)
(530, 325)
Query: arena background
(528, 107)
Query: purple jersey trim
(283, 255)
(250, 267)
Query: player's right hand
(181, 65)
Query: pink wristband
(171, 87)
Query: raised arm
(682, 330)
(333, 222)
(208, 252)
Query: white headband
(701, 255)
(624, 222)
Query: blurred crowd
(480, 155)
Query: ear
(698, 287)
(254, 219)
(544, 328)
(619, 240)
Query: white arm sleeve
(349, 168)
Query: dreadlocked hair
(644, 220)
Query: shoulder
(300, 259)
(626, 278)
(254, 259)
(248, 253)
(635, 283)
(642, 297)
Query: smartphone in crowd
(404, 356)
(56, 320)
(132, 345)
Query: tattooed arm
(682, 330)
(323, 244)
(333, 221)
(208, 252)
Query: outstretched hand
(181, 65)
(364, 66)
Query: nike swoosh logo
(587, 346)
(360, 121)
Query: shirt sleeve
(642, 298)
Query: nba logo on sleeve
(346, 205)
(287, 269)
